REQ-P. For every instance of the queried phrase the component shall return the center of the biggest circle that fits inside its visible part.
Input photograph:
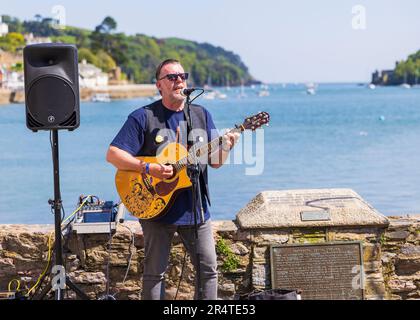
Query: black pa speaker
(51, 86)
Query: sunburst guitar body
(147, 197)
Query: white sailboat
(311, 88)
(263, 92)
(227, 83)
(209, 95)
(101, 97)
(220, 95)
(242, 93)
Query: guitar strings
(192, 154)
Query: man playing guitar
(139, 136)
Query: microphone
(187, 92)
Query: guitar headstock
(255, 121)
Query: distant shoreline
(116, 92)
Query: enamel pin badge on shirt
(159, 139)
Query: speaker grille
(70, 122)
(51, 101)
(32, 123)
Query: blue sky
(280, 41)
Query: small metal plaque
(323, 215)
(323, 271)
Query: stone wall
(401, 257)
(391, 258)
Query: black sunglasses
(174, 76)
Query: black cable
(128, 259)
(202, 91)
(65, 243)
(63, 215)
(68, 224)
(51, 142)
(66, 239)
(182, 274)
(107, 296)
(91, 199)
(130, 251)
(109, 254)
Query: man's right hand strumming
(160, 171)
(125, 161)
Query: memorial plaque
(323, 215)
(323, 271)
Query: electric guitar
(147, 197)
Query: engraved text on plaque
(331, 270)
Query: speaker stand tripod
(60, 280)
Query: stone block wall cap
(283, 209)
(26, 228)
(224, 225)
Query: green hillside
(137, 55)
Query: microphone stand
(193, 172)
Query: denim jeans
(157, 246)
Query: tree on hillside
(41, 28)
(408, 71)
(416, 71)
(105, 61)
(401, 71)
(108, 25)
(102, 60)
(12, 41)
(415, 56)
(86, 54)
(102, 37)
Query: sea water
(343, 136)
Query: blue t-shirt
(131, 138)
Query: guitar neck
(206, 149)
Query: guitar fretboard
(207, 149)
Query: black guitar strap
(190, 142)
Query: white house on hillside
(4, 28)
(13, 81)
(2, 76)
(31, 39)
(91, 76)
